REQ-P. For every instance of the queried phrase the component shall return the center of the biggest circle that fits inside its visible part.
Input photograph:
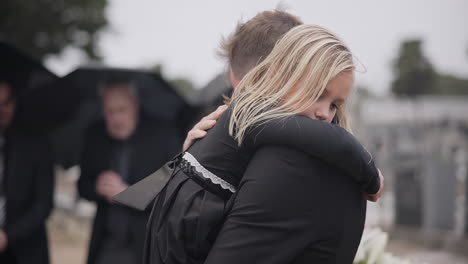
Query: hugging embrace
(276, 175)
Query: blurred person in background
(26, 188)
(118, 151)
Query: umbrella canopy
(213, 92)
(207, 99)
(61, 100)
(65, 108)
(23, 73)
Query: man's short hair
(118, 83)
(253, 40)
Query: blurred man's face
(7, 105)
(120, 112)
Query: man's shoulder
(280, 160)
(29, 147)
(96, 129)
(155, 129)
(288, 156)
(148, 122)
(20, 137)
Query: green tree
(413, 72)
(451, 85)
(183, 85)
(43, 27)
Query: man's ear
(233, 79)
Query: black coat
(285, 198)
(291, 208)
(153, 143)
(29, 182)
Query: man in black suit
(26, 189)
(291, 208)
(120, 150)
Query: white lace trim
(208, 174)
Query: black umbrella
(213, 92)
(65, 108)
(207, 99)
(24, 74)
(62, 99)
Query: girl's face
(333, 97)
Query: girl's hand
(199, 130)
(376, 196)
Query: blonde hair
(290, 79)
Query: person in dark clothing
(189, 200)
(189, 211)
(121, 150)
(291, 208)
(26, 188)
(192, 206)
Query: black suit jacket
(153, 143)
(29, 182)
(291, 208)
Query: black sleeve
(328, 142)
(280, 212)
(41, 206)
(89, 168)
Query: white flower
(372, 247)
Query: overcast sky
(183, 35)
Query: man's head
(7, 104)
(253, 40)
(121, 108)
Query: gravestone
(408, 198)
